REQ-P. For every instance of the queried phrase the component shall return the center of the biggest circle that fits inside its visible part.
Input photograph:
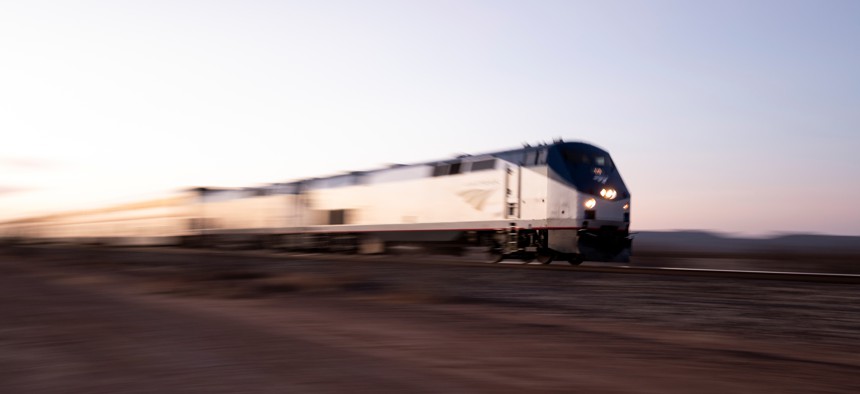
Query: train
(554, 201)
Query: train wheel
(494, 255)
(545, 256)
(574, 259)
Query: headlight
(590, 203)
(627, 206)
(608, 194)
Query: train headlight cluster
(590, 203)
(608, 194)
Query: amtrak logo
(476, 197)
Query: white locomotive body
(559, 200)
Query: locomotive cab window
(574, 157)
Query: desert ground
(88, 320)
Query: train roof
(397, 172)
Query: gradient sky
(736, 116)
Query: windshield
(586, 167)
(573, 157)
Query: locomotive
(564, 200)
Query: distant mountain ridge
(708, 242)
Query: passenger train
(564, 200)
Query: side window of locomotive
(531, 158)
(541, 159)
(446, 169)
(440, 170)
(483, 165)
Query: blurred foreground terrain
(91, 320)
(790, 252)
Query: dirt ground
(89, 321)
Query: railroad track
(476, 263)
(697, 272)
(620, 269)
(734, 274)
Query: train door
(513, 191)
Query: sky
(734, 116)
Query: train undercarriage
(607, 244)
(528, 245)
